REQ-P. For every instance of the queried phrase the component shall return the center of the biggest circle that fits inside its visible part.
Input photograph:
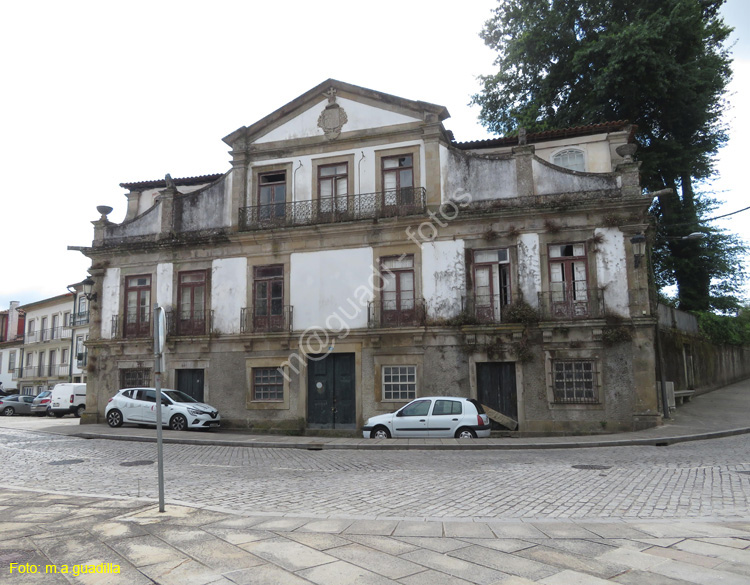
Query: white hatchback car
(432, 416)
(179, 411)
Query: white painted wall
(363, 173)
(164, 284)
(331, 287)
(228, 293)
(443, 277)
(529, 268)
(359, 117)
(612, 271)
(110, 300)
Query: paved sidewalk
(720, 413)
(88, 539)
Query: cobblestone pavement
(702, 479)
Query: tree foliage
(662, 65)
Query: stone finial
(521, 135)
(169, 181)
(626, 151)
(105, 210)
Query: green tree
(661, 64)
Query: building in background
(356, 257)
(12, 325)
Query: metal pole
(158, 339)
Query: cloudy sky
(99, 93)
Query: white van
(68, 399)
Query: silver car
(431, 416)
(41, 404)
(15, 404)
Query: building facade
(12, 323)
(355, 257)
(53, 345)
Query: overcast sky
(99, 93)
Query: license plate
(55, 404)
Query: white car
(432, 416)
(179, 411)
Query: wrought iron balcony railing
(49, 334)
(42, 371)
(407, 313)
(578, 303)
(260, 319)
(392, 203)
(181, 323)
(80, 319)
(131, 327)
(485, 309)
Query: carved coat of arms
(333, 117)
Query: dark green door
(191, 383)
(496, 388)
(330, 391)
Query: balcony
(44, 371)
(186, 323)
(387, 314)
(131, 328)
(48, 334)
(393, 203)
(485, 309)
(586, 303)
(79, 319)
(257, 319)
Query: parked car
(432, 416)
(41, 403)
(15, 404)
(179, 411)
(68, 398)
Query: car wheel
(380, 433)
(114, 418)
(178, 423)
(48, 412)
(8, 411)
(79, 411)
(465, 433)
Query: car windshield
(178, 396)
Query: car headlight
(195, 411)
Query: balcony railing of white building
(484, 309)
(79, 319)
(43, 371)
(260, 319)
(52, 334)
(183, 323)
(392, 203)
(131, 327)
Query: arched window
(570, 158)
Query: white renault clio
(179, 411)
(431, 416)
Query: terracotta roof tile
(161, 183)
(546, 135)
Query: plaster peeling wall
(110, 300)
(146, 199)
(359, 117)
(443, 277)
(146, 224)
(529, 268)
(480, 177)
(205, 209)
(164, 280)
(331, 286)
(611, 270)
(228, 293)
(549, 179)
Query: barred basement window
(574, 382)
(268, 384)
(399, 382)
(135, 378)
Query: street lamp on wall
(639, 249)
(88, 286)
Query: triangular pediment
(335, 108)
